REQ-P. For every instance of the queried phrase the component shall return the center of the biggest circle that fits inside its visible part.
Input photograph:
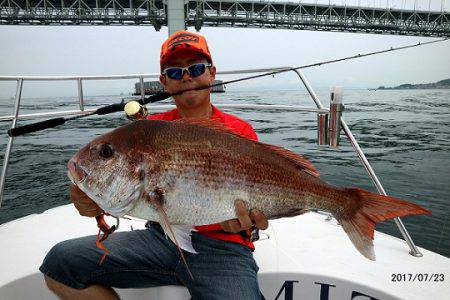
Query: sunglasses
(194, 70)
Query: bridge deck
(231, 13)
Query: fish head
(111, 171)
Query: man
(224, 267)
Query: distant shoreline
(443, 84)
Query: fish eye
(106, 151)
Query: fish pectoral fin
(181, 236)
(176, 235)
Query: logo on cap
(182, 38)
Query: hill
(443, 84)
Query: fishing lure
(104, 228)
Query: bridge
(227, 13)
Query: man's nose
(186, 75)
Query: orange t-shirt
(238, 126)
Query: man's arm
(249, 133)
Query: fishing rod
(112, 108)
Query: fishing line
(165, 95)
(324, 63)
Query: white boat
(304, 257)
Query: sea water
(405, 135)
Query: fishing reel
(135, 111)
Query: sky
(106, 50)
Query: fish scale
(219, 182)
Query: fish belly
(191, 203)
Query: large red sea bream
(191, 173)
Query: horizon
(263, 87)
(129, 93)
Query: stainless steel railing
(79, 79)
(362, 157)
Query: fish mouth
(75, 172)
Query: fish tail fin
(373, 208)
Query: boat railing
(320, 110)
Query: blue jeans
(145, 258)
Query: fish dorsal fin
(208, 123)
(298, 160)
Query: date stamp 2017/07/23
(417, 277)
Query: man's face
(191, 99)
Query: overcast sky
(85, 50)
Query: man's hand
(245, 219)
(85, 206)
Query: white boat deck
(305, 254)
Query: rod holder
(323, 138)
(336, 108)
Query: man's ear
(212, 71)
(162, 79)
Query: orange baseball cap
(183, 41)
